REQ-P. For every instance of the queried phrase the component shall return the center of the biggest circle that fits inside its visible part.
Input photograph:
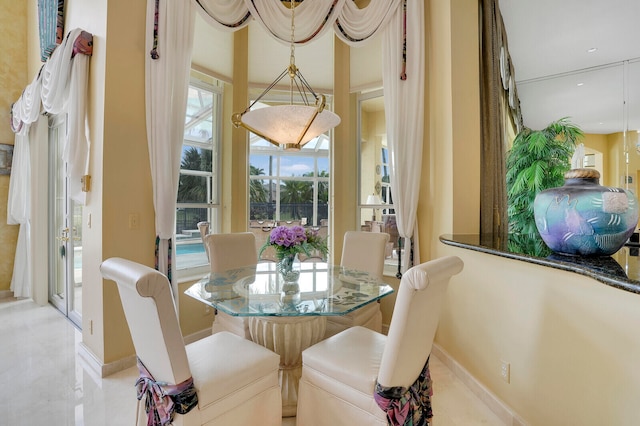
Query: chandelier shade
(293, 125)
(290, 126)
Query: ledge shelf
(622, 270)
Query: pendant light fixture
(292, 125)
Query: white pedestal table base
(288, 337)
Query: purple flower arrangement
(289, 241)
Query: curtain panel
(499, 107)
(403, 79)
(59, 87)
(170, 27)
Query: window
(376, 201)
(288, 187)
(198, 189)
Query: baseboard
(96, 368)
(495, 404)
(6, 294)
(385, 329)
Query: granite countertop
(621, 270)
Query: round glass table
(288, 317)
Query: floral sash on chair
(164, 400)
(407, 406)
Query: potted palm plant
(537, 160)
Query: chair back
(203, 227)
(364, 251)
(231, 251)
(150, 312)
(415, 320)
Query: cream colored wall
(571, 341)
(449, 194)
(598, 143)
(634, 160)
(13, 45)
(236, 153)
(344, 151)
(373, 129)
(118, 160)
(194, 316)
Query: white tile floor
(42, 381)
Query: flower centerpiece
(288, 242)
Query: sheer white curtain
(60, 87)
(170, 36)
(18, 208)
(404, 113)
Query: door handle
(65, 235)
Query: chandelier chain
(292, 57)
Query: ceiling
(557, 76)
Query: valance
(313, 18)
(61, 86)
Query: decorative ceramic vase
(584, 218)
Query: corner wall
(13, 44)
(570, 340)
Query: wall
(571, 341)
(118, 160)
(13, 78)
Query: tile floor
(42, 381)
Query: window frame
(366, 211)
(213, 184)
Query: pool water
(194, 248)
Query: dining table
(288, 317)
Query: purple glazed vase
(584, 218)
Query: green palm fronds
(538, 160)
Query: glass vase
(289, 268)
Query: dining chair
(363, 377)
(231, 251)
(221, 379)
(364, 251)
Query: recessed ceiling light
(593, 49)
(580, 84)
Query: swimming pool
(191, 248)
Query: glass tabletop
(259, 290)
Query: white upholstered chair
(364, 251)
(231, 251)
(236, 381)
(339, 374)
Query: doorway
(65, 231)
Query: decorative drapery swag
(409, 406)
(59, 87)
(313, 18)
(170, 42)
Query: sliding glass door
(65, 232)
